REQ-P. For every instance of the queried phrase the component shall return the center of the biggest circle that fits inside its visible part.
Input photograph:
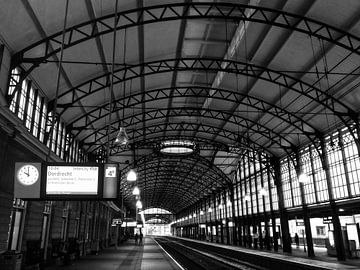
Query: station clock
(28, 174)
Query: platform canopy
(233, 79)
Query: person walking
(297, 240)
(141, 239)
(136, 238)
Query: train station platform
(125, 257)
(270, 258)
(151, 255)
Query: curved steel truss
(178, 11)
(338, 108)
(193, 91)
(226, 134)
(182, 181)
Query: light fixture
(304, 178)
(247, 197)
(228, 203)
(201, 212)
(220, 206)
(262, 192)
(194, 215)
(136, 191)
(177, 147)
(139, 204)
(131, 175)
(122, 138)
(210, 210)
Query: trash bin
(10, 260)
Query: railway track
(196, 258)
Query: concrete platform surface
(125, 257)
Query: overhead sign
(116, 221)
(66, 181)
(129, 224)
(111, 187)
(63, 179)
(300, 222)
(327, 220)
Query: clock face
(28, 175)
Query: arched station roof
(230, 76)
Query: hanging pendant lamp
(131, 176)
(122, 138)
(136, 191)
(139, 204)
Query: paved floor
(151, 257)
(125, 257)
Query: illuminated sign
(72, 180)
(110, 187)
(116, 221)
(129, 224)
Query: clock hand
(27, 173)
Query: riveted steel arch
(131, 72)
(211, 114)
(168, 12)
(189, 171)
(193, 91)
(206, 64)
(209, 129)
(151, 158)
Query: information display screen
(72, 180)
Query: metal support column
(275, 162)
(338, 238)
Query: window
(16, 224)
(36, 124)
(28, 105)
(14, 80)
(337, 169)
(320, 178)
(320, 230)
(352, 161)
(30, 108)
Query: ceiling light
(136, 191)
(122, 138)
(131, 175)
(201, 212)
(247, 197)
(177, 147)
(139, 204)
(210, 210)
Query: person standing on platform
(136, 238)
(141, 239)
(256, 239)
(297, 240)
